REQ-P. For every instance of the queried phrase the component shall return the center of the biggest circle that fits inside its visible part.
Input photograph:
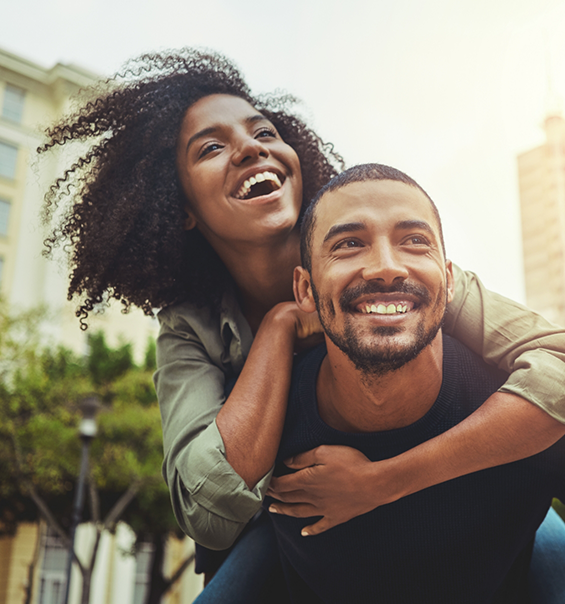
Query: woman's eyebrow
(257, 118)
(200, 134)
(211, 129)
(347, 227)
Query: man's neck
(351, 401)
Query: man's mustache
(376, 287)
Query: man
(387, 380)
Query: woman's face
(242, 182)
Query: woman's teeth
(258, 178)
(381, 309)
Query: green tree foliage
(39, 415)
(40, 391)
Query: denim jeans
(252, 573)
(547, 569)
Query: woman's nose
(249, 148)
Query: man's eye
(417, 240)
(209, 148)
(348, 244)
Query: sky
(449, 92)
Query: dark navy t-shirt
(468, 540)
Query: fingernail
(289, 460)
(305, 533)
(273, 509)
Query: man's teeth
(253, 180)
(381, 309)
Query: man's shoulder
(468, 371)
(312, 356)
(306, 365)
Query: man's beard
(380, 357)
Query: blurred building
(33, 567)
(32, 97)
(32, 562)
(541, 173)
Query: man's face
(379, 278)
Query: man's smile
(385, 307)
(373, 298)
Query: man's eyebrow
(414, 224)
(210, 130)
(347, 227)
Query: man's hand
(335, 482)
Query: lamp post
(87, 431)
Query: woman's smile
(262, 182)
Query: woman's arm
(252, 418)
(218, 455)
(512, 337)
(338, 484)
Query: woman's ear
(303, 290)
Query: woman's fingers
(319, 527)
(314, 457)
(297, 510)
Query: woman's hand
(335, 482)
(307, 327)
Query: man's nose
(248, 148)
(384, 263)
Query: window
(143, 559)
(52, 577)
(4, 216)
(8, 157)
(13, 106)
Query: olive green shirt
(197, 350)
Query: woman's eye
(266, 133)
(209, 148)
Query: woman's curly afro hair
(118, 209)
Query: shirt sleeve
(512, 337)
(210, 500)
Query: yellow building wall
(17, 552)
(6, 543)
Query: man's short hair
(360, 173)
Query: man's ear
(449, 280)
(190, 221)
(303, 290)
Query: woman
(190, 200)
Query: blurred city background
(465, 97)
